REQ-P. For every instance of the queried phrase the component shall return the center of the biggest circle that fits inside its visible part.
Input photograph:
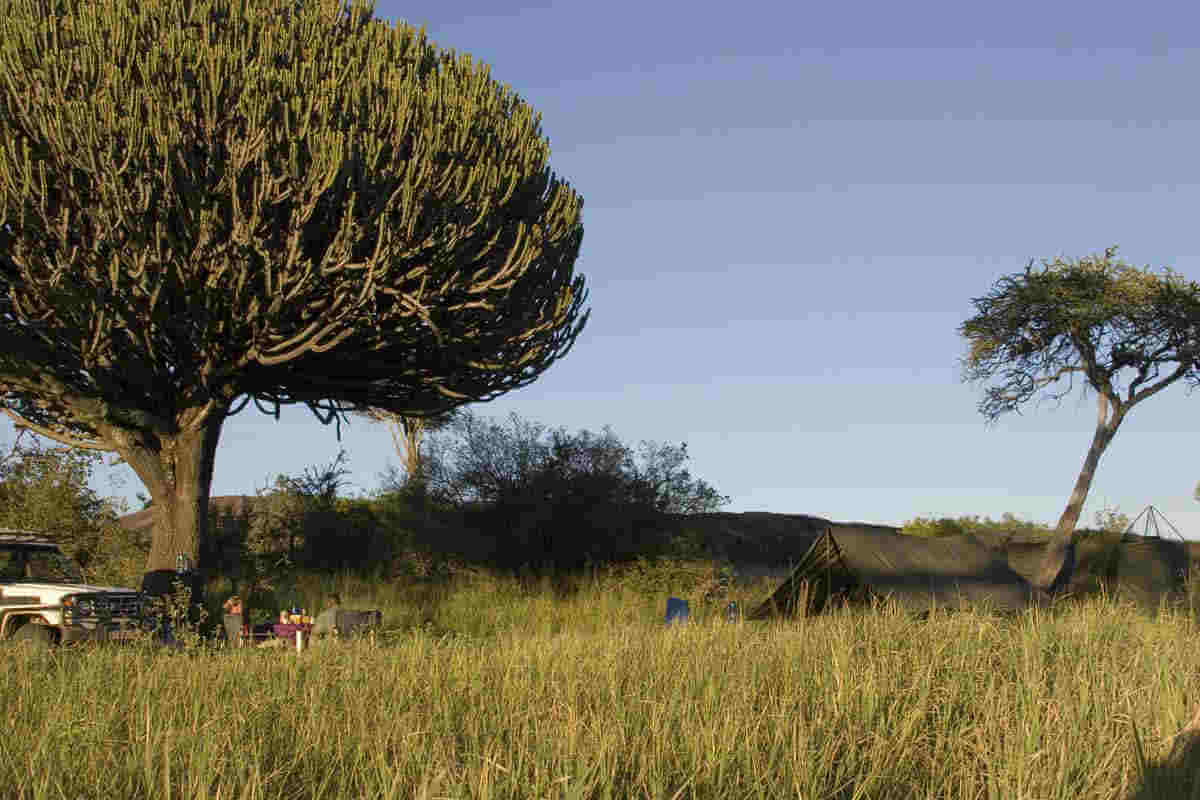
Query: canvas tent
(751, 537)
(1144, 569)
(856, 564)
(1023, 551)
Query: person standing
(326, 621)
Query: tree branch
(69, 441)
(1154, 388)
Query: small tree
(483, 461)
(1127, 333)
(287, 517)
(408, 434)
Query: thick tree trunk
(1058, 561)
(177, 470)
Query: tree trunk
(414, 430)
(407, 433)
(1058, 561)
(177, 470)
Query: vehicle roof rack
(10, 536)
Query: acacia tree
(206, 203)
(1127, 333)
(408, 433)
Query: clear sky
(788, 208)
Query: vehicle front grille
(122, 605)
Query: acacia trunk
(414, 455)
(414, 430)
(407, 433)
(177, 471)
(1058, 561)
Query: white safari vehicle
(45, 600)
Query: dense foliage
(46, 490)
(554, 499)
(206, 204)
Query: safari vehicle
(44, 598)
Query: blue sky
(788, 208)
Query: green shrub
(45, 489)
(1008, 524)
(552, 501)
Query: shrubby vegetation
(511, 496)
(554, 500)
(1108, 520)
(47, 489)
(948, 526)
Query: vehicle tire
(37, 636)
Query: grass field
(486, 690)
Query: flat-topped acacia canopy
(1125, 332)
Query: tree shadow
(1175, 776)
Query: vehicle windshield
(38, 564)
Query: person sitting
(235, 621)
(326, 621)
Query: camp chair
(350, 623)
(677, 610)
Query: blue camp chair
(677, 610)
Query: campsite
(489, 686)
(815, 261)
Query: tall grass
(487, 689)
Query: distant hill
(142, 521)
(756, 536)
